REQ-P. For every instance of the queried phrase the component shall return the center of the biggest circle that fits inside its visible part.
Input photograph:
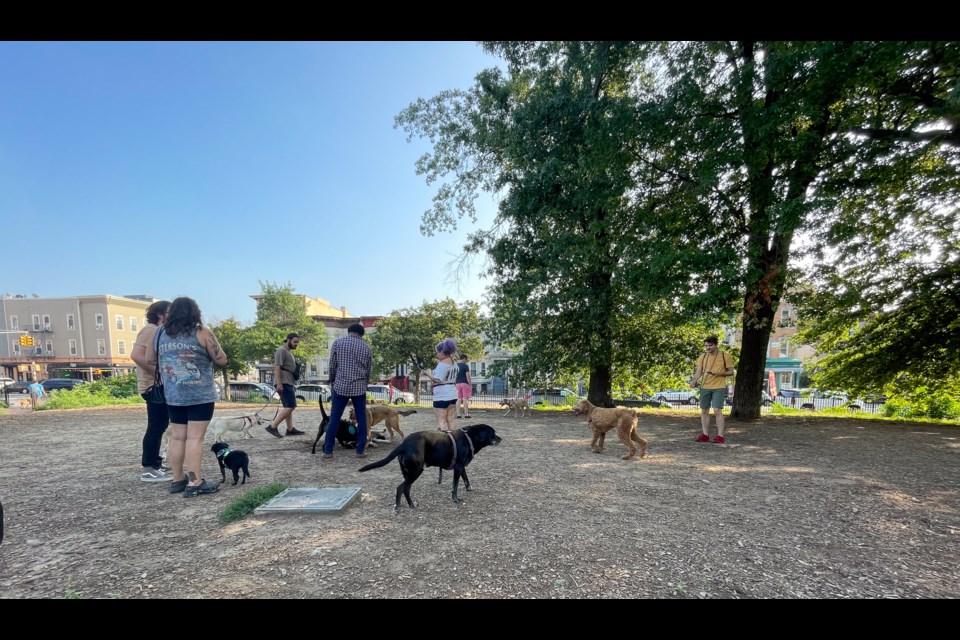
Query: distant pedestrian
(286, 371)
(464, 387)
(36, 393)
(351, 361)
(711, 373)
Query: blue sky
(201, 169)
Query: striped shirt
(351, 361)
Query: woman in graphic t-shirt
(444, 379)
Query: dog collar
(224, 453)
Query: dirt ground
(801, 507)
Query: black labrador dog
(438, 449)
(233, 458)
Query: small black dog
(437, 449)
(234, 459)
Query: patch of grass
(85, 395)
(249, 501)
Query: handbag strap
(156, 348)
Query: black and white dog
(232, 458)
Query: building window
(102, 347)
(73, 347)
(784, 348)
(119, 323)
(36, 322)
(49, 347)
(773, 349)
(121, 348)
(15, 347)
(133, 323)
(473, 368)
(71, 325)
(99, 320)
(46, 323)
(786, 317)
(14, 324)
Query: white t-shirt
(448, 374)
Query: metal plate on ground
(310, 500)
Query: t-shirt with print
(447, 390)
(284, 358)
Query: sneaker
(294, 432)
(327, 456)
(178, 487)
(703, 438)
(719, 440)
(201, 489)
(273, 431)
(362, 455)
(156, 475)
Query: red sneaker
(703, 438)
(719, 440)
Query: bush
(85, 395)
(923, 403)
(117, 386)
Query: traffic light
(26, 341)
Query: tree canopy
(676, 178)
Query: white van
(5, 381)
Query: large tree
(230, 335)
(840, 142)
(553, 136)
(409, 336)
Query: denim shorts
(289, 397)
(712, 398)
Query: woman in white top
(444, 379)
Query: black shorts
(289, 396)
(190, 413)
(443, 404)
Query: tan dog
(385, 413)
(602, 420)
(517, 404)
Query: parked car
(765, 399)
(677, 396)
(313, 392)
(382, 392)
(252, 392)
(553, 396)
(642, 401)
(18, 387)
(54, 384)
(795, 398)
(5, 381)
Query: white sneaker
(156, 475)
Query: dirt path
(800, 508)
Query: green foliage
(249, 501)
(409, 336)
(86, 395)
(123, 386)
(230, 335)
(279, 312)
(924, 402)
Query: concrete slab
(310, 500)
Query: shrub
(85, 395)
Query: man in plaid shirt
(351, 361)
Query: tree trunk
(757, 326)
(600, 385)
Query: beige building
(79, 337)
